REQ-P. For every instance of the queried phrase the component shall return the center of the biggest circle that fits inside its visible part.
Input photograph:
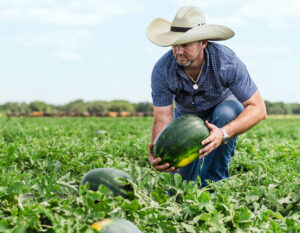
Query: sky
(59, 51)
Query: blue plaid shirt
(224, 74)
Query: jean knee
(226, 111)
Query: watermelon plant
(43, 161)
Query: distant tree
(59, 109)
(120, 106)
(279, 108)
(100, 107)
(55, 109)
(39, 106)
(144, 107)
(76, 106)
(15, 108)
(268, 106)
(295, 108)
(97, 107)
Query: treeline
(102, 108)
(76, 108)
(281, 108)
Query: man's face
(186, 54)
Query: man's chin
(184, 64)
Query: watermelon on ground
(115, 226)
(108, 177)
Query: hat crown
(188, 16)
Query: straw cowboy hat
(188, 26)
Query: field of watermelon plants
(42, 161)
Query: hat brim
(158, 32)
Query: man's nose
(179, 49)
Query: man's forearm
(245, 121)
(157, 127)
(162, 117)
(254, 112)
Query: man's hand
(155, 162)
(213, 141)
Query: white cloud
(58, 16)
(59, 38)
(23, 2)
(71, 12)
(204, 4)
(272, 9)
(67, 56)
(231, 21)
(277, 14)
(262, 51)
(257, 58)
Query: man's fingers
(205, 151)
(207, 140)
(208, 148)
(150, 147)
(162, 167)
(172, 169)
(156, 161)
(209, 125)
(203, 155)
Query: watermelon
(179, 142)
(115, 226)
(109, 178)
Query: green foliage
(42, 161)
(76, 106)
(97, 107)
(120, 106)
(282, 108)
(15, 108)
(39, 106)
(144, 107)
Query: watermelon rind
(116, 226)
(180, 141)
(109, 177)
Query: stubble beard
(187, 64)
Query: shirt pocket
(184, 99)
(210, 91)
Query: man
(206, 79)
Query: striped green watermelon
(115, 226)
(179, 142)
(109, 178)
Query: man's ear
(204, 43)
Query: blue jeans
(215, 166)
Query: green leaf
(20, 227)
(3, 225)
(188, 228)
(177, 179)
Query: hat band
(179, 29)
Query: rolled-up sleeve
(239, 81)
(161, 95)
